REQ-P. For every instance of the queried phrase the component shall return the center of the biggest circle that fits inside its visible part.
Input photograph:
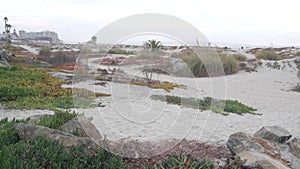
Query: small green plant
(298, 54)
(268, 55)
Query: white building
(50, 36)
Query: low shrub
(239, 57)
(230, 64)
(119, 51)
(268, 55)
(199, 69)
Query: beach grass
(268, 55)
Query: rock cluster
(272, 147)
(72, 133)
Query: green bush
(58, 119)
(268, 55)
(298, 54)
(45, 53)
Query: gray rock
(253, 159)
(90, 130)
(286, 154)
(295, 147)
(256, 152)
(273, 133)
(84, 128)
(240, 141)
(73, 127)
(29, 131)
(35, 118)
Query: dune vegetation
(223, 107)
(199, 69)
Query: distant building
(50, 36)
(94, 40)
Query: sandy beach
(130, 113)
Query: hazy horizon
(249, 22)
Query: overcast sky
(230, 21)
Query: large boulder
(30, 131)
(273, 133)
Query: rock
(287, 155)
(35, 118)
(82, 126)
(256, 152)
(253, 159)
(295, 147)
(29, 131)
(73, 127)
(273, 133)
(90, 130)
(240, 141)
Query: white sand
(131, 113)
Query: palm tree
(7, 29)
(5, 20)
(153, 44)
